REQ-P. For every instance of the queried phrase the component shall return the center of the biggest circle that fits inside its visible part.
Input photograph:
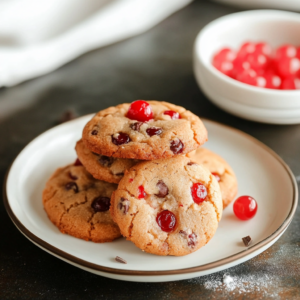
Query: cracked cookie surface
(110, 169)
(111, 133)
(78, 204)
(221, 169)
(168, 206)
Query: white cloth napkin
(37, 37)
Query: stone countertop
(154, 65)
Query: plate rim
(205, 267)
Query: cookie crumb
(120, 260)
(247, 240)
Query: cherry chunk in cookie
(221, 171)
(144, 130)
(167, 206)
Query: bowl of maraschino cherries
(259, 65)
(248, 64)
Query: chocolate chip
(247, 240)
(176, 146)
(136, 126)
(94, 132)
(124, 205)
(120, 260)
(191, 163)
(96, 154)
(154, 131)
(101, 204)
(192, 240)
(71, 186)
(163, 190)
(106, 161)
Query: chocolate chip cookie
(110, 169)
(144, 130)
(220, 169)
(79, 205)
(168, 206)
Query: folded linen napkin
(37, 37)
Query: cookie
(110, 169)
(78, 204)
(222, 171)
(144, 130)
(168, 206)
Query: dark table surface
(154, 65)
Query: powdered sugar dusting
(240, 284)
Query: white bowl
(249, 102)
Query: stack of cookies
(142, 174)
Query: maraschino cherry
(142, 194)
(245, 207)
(173, 114)
(140, 110)
(199, 192)
(166, 220)
(255, 64)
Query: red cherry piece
(77, 163)
(141, 193)
(273, 81)
(261, 81)
(223, 61)
(166, 220)
(245, 207)
(192, 240)
(288, 66)
(120, 138)
(130, 180)
(257, 61)
(173, 114)
(288, 84)
(225, 54)
(217, 176)
(199, 192)
(285, 51)
(154, 131)
(239, 65)
(263, 48)
(247, 76)
(140, 110)
(298, 53)
(177, 146)
(297, 83)
(245, 49)
(101, 204)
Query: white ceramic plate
(260, 172)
